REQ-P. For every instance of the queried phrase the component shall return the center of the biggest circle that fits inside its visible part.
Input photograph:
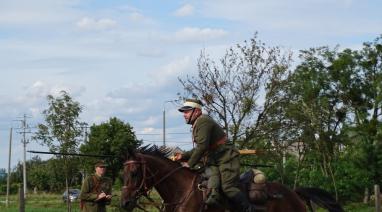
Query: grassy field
(50, 203)
(54, 203)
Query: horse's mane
(155, 151)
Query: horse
(149, 167)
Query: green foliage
(3, 175)
(62, 130)
(13, 188)
(232, 85)
(110, 138)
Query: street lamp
(164, 119)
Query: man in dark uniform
(96, 190)
(220, 158)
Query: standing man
(221, 159)
(96, 190)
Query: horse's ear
(130, 153)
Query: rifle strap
(96, 184)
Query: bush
(13, 189)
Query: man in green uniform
(96, 190)
(221, 159)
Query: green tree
(62, 130)
(3, 175)
(365, 100)
(232, 87)
(110, 138)
(311, 114)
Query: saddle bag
(256, 186)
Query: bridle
(143, 184)
(143, 188)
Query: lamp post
(164, 119)
(164, 125)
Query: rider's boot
(241, 202)
(213, 198)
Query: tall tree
(365, 101)
(62, 129)
(233, 88)
(316, 110)
(110, 138)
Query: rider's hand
(177, 156)
(101, 196)
(108, 196)
(185, 164)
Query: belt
(218, 143)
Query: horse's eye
(132, 174)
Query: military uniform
(91, 187)
(221, 159)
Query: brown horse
(178, 186)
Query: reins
(186, 197)
(143, 189)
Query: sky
(121, 58)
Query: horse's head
(134, 180)
(143, 170)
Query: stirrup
(213, 200)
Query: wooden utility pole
(24, 130)
(377, 195)
(25, 127)
(9, 167)
(21, 199)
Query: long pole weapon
(71, 154)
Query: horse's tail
(321, 197)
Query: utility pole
(9, 167)
(24, 130)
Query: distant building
(173, 151)
(3, 174)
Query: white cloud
(32, 100)
(24, 12)
(307, 17)
(195, 34)
(40, 89)
(171, 71)
(148, 130)
(150, 121)
(138, 18)
(93, 24)
(151, 52)
(185, 10)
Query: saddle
(252, 183)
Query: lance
(256, 165)
(71, 154)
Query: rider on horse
(220, 158)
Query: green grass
(54, 203)
(359, 207)
(38, 203)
